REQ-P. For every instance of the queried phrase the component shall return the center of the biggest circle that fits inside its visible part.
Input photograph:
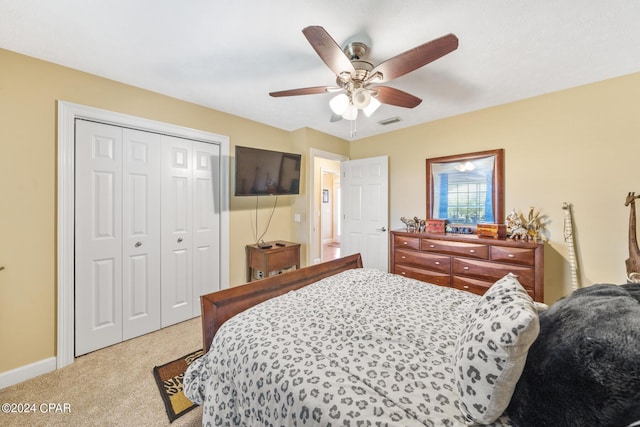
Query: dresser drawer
(473, 250)
(522, 256)
(406, 242)
(476, 286)
(434, 277)
(468, 284)
(440, 263)
(492, 271)
(279, 260)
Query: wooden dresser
(467, 262)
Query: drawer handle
(404, 257)
(432, 246)
(465, 287)
(465, 268)
(403, 273)
(437, 262)
(511, 256)
(405, 243)
(472, 251)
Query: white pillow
(492, 349)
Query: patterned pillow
(492, 349)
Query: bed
(338, 344)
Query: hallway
(330, 251)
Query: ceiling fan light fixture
(339, 104)
(351, 113)
(361, 98)
(372, 107)
(465, 166)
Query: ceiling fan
(357, 79)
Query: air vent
(389, 121)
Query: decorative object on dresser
(466, 189)
(492, 230)
(413, 224)
(435, 226)
(472, 263)
(521, 228)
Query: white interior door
(117, 266)
(365, 210)
(98, 236)
(206, 222)
(141, 233)
(177, 235)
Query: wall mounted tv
(264, 172)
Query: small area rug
(169, 379)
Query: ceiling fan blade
(335, 118)
(328, 50)
(302, 91)
(415, 58)
(392, 96)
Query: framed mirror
(466, 189)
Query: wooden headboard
(220, 306)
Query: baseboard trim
(27, 372)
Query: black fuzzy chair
(584, 367)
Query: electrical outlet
(296, 217)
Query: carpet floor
(109, 387)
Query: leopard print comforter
(361, 348)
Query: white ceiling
(228, 55)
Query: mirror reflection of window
(462, 197)
(461, 188)
(467, 199)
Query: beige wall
(580, 146)
(29, 89)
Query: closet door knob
(138, 244)
(179, 239)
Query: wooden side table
(279, 256)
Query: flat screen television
(262, 172)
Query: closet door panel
(98, 236)
(141, 230)
(177, 231)
(206, 220)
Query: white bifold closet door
(190, 253)
(147, 232)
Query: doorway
(329, 164)
(330, 211)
